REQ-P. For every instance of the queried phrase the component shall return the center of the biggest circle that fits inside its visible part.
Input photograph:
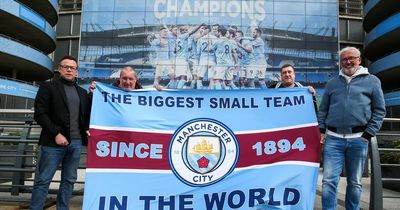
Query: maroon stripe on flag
(279, 146)
(150, 150)
(102, 156)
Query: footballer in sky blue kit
(224, 57)
(163, 63)
(182, 54)
(245, 55)
(192, 57)
(172, 36)
(231, 72)
(206, 57)
(258, 63)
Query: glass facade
(173, 37)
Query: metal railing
(351, 7)
(385, 147)
(70, 5)
(18, 152)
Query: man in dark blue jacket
(351, 112)
(62, 110)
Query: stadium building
(381, 48)
(27, 37)
(103, 47)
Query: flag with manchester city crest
(206, 150)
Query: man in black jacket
(62, 110)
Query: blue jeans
(50, 159)
(337, 151)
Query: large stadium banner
(208, 150)
(239, 41)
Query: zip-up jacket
(355, 104)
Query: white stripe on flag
(149, 171)
(172, 131)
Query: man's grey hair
(128, 68)
(349, 49)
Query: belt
(356, 129)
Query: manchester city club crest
(203, 151)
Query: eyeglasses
(66, 67)
(351, 59)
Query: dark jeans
(50, 159)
